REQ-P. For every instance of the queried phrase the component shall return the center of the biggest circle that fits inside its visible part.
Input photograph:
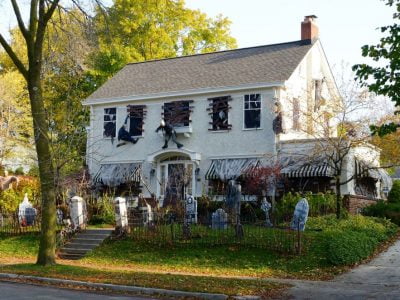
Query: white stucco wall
(237, 142)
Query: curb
(117, 288)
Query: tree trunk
(46, 255)
(338, 198)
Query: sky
(345, 25)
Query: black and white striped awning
(308, 170)
(362, 169)
(118, 173)
(231, 168)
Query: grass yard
(337, 245)
(228, 286)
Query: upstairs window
(109, 125)
(319, 101)
(252, 111)
(136, 114)
(177, 113)
(219, 112)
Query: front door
(176, 181)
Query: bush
(320, 204)
(383, 209)
(350, 247)
(102, 212)
(394, 194)
(347, 241)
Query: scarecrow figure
(168, 132)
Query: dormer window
(109, 123)
(252, 111)
(219, 112)
(177, 113)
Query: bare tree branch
(20, 66)
(21, 24)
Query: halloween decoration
(123, 135)
(168, 132)
(218, 110)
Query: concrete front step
(84, 242)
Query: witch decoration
(168, 132)
(123, 135)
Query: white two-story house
(231, 111)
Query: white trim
(236, 156)
(121, 162)
(116, 123)
(99, 101)
(261, 110)
(155, 156)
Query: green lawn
(229, 286)
(354, 239)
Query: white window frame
(244, 110)
(116, 123)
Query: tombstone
(191, 210)
(266, 207)
(60, 216)
(77, 211)
(147, 214)
(121, 213)
(219, 219)
(300, 215)
(26, 212)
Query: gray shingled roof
(255, 65)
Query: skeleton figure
(168, 132)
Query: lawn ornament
(300, 215)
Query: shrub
(394, 194)
(347, 241)
(383, 209)
(102, 212)
(349, 247)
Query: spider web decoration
(177, 113)
(219, 110)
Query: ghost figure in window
(168, 132)
(123, 135)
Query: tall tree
(383, 78)
(133, 31)
(30, 65)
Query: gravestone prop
(77, 209)
(191, 210)
(60, 216)
(146, 214)
(121, 213)
(300, 215)
(26, 212)
(219, 219)
(266, 207)
(190, 215)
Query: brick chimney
(309, 29)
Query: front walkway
(379, 279)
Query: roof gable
(246, 66)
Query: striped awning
(308, 170)
(231, 168)
(363, 170)
(119, 173)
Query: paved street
(17, 291)
(379, 279)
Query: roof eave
(99, 101)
